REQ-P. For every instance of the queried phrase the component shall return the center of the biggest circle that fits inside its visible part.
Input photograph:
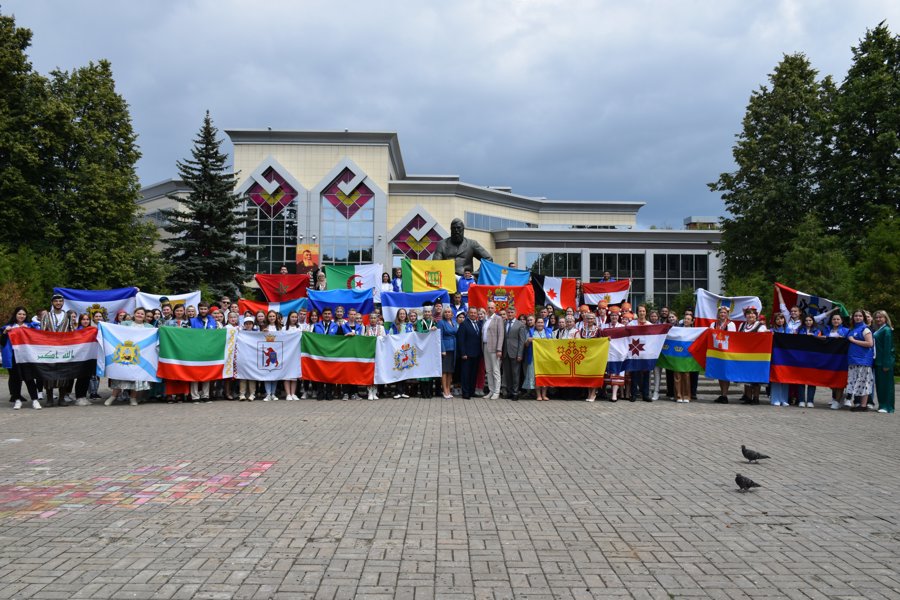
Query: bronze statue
(460, 248)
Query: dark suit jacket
(468, 339)
(514, 342)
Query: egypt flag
(109, 302)
(267, 355)
(519, 298)
(355, 277)
(807, 303)
(809, 360)
(361, 300)
(128, 353)
(743, 357)
(493, 274)
(570, 362)
(48, 355)
(558, 291)
(428, 275)
(347, 359)
(614, 292)
(676, 354)
(708, 305)
(283, 308)
(279, 288)
(195, 354)
(391, 302)
(635, 347)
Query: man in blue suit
(468, 347)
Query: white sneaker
(586, 399)
(801, 404)
(404, 396)
(242, 398)
(835, 405)
(109, 401)
(374, 396)
(848, 402)
(68, 399)
(251, 398)
(267, 398)
(686, 400)
(396, 396)
(17, 405)
(35, 405)
(654, 397)
(810, 405)
(132, 401)
(494, 397)
(882, 411)
(345, 397)
(303, 396)
(82, 402)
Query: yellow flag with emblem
(570, 363)
(428, 275)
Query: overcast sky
(570, 99)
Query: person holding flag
(138, 387)
(723, 323)
(753, 324)
(375, 328)
(19, 318)
(56, 319)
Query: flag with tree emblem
(570, 362)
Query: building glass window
(673, 273)
(348, 223)
(622, 266)
(554, 264)
(491, 223)
(271, 242)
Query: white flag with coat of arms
(267, 355)
(127, 353)
(407, 356)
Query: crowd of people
(485, 352)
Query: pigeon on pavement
(751, 455)
(745, 483)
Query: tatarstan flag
(428, 275)
(570, 362)
(195, 354)
(278, 288)
(338, 358)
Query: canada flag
(558, 291)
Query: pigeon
(752, 455)
(745, 483)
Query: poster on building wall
(307, 258)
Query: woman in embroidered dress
(751, 324)
(723, 323)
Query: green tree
(780, 160)
(207, 227)
(92, 187)
(817, 263)
(865, 170)
(878, 268)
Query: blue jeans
(806, 393)
(270, 387)
(779, 393)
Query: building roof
(161, 188)
(561, 237)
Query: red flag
(558, 291)
(279, 288)
(518, 297)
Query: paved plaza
(424, 499)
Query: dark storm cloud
(571, 100)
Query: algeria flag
(355, 277)
(195, 354)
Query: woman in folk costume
(590, 330)
(884, 361)
(723, 323)
(138, 320)
(616, 379)
(860, 379)
(752, 324)
(58, 320)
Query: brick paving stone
(425, 499)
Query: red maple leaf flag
(280, 288)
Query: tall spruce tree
(780, 156)
(206, 228)
(865, 174)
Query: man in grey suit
(515, 336)
(492, 338)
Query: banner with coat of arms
(516, 298)
(407, 356)
(267, 355)
(128, 353)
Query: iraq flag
(52, 356)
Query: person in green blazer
(884, 361)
